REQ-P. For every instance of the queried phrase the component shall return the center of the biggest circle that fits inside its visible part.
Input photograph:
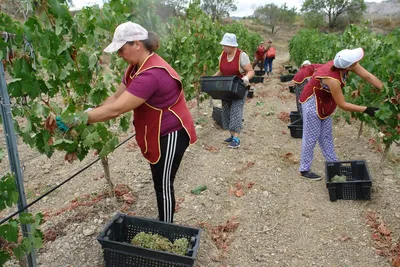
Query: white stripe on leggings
(169, 158)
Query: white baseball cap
(126, 32)
(347, 57)
(229, 39)
(306, 62)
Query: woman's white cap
(348, 57)
(126, 32)
(306, 62)
(229, 39)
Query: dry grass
(386, 23)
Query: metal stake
(12, 149)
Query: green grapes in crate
(158, 242)
(339, 179)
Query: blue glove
(61, 125)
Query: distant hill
(384, 9)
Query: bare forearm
(351, 107)
(109, 100)
(372, 79)
(103, 113)
(366, 75)
(250, 74)
(218, 73)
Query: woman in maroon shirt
(301, 78)
(153, 90)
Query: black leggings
(173, 146)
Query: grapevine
(57, 68)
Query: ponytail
(152, 43)
(333, 68)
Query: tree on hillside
(275, 17)
(334, 8)
(313, 20)
(218, 9)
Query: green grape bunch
(158, 242)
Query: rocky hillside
(384, 9)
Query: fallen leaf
(343, 238)
(383, 229)
(212, 149)
(239, 193)
(250, 185)
(50, 124)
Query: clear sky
(244, 7)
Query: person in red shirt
(233, 61)
(319, 99)
(163, 123)
(301, 78)
(259, 56)
(270, 52)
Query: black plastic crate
(217, 115)
(294, 116)
(257, 79)
(223, 87)
(259, 72)
(118, 251)
(296, 129)
(286, 78)
(291, 88)
(358, 181)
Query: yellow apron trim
(308, 97)
(302, 80)
(179, 118)
(145, 139)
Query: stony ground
(256, 210)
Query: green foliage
(158, 242)
(382, 58)
(275, 17)
(10, 231)
(8, 191)
(193, 50)
(313, 20)
(65, 66)
(63, 74)
(323, 48)
(334, 9)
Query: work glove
(61, 125)
(245, 80)
(371, 111)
